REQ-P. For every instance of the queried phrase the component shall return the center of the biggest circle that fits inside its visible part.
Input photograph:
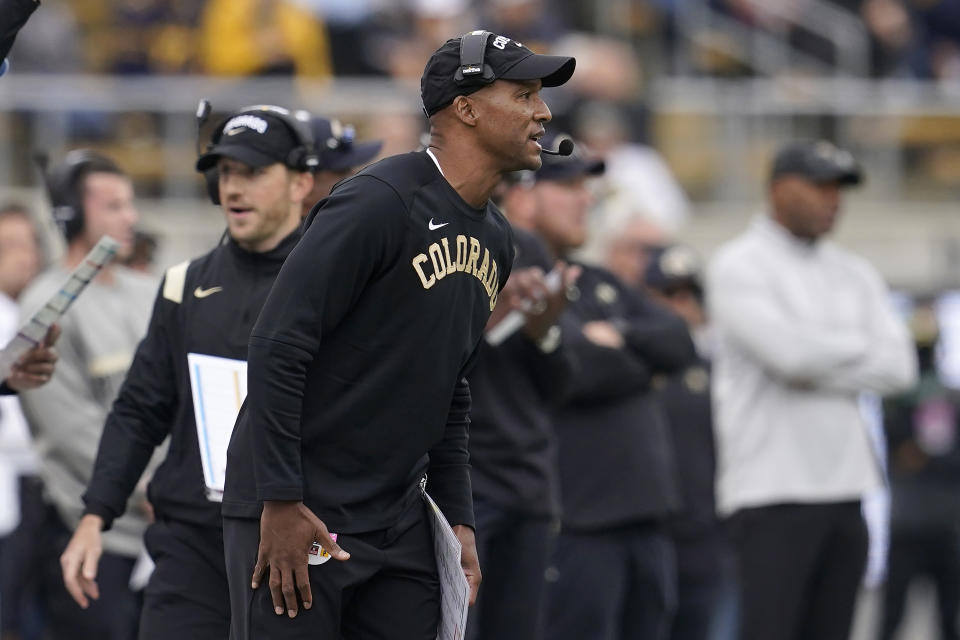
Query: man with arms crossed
(802, 327)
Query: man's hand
(526, 290)
(36, 366)
(604, 334)
(468, 559)
(80, 558)
(287, 530)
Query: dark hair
(67, 184)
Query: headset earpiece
(473, 49)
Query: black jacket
(686, 401)
(356, 366)
(616, 462)
(513, 450)
(13, 15)
(156, 401)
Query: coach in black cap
(339, 155)
(357, 365)
(258, 169)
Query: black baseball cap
(559, 168)
(255, 137)
(337, 148)
(674, 267)
(503, 58)
(817, 161)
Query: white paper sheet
(454, 588)
(35, 329)
(219, 386)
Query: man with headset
(356, 389)
(258, 166)
(339, 156)
(91, 197)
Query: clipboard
(219, 386)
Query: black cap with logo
(260, 137)
(673, 268)
(337, 147)
(821, 162)
(449, 74)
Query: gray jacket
(100, 335)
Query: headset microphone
(565, 148)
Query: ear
(465, 109)
(300, 185)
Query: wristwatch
(550, 340)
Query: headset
(63, 185)
(303, 157)
(473, 48)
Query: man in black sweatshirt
(613, 563)
(259, 166)
(356, 381)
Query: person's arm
(138, 423)
(660, 337)
(890, 363)
(744, 306)
(606, 368)
(350, 236)
(13, 15)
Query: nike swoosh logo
(434, 227)
(203, 293)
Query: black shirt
(356, 366)
(189, 316)
(515, 385)
(616, 462)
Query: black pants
(612, 585)
(187, 597)
(35, 601)
(704, 580)
(800, 567)
(514, 551)
(932, 551)
(387, 590)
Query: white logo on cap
(500, 42)
(245, 121)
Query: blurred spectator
(936, 50)
(340, 155)
(706, 591)
(19, 464)
(513, 448)
(803, 327)
(624, 241)
(352, 31)
(528, 21)
(924, 467)
(638, 176)
(613, 569)
(262, 37)
(91, 197)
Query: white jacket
(802, 328)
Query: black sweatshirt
(514, 386)
(156, 400)
(356, 371)
(616, 463)
(13, 15)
